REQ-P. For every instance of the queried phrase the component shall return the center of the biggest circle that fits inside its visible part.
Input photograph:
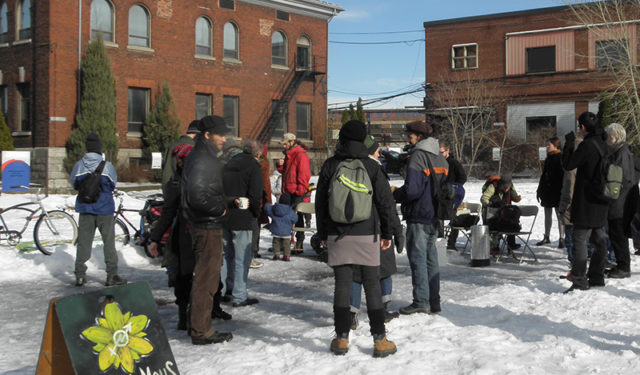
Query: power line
(376, 100)
(380, 32)
(412, 86)
(408, 42)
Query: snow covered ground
(507, 318)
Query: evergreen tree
(352, 113)
(97, 106)
(6, 140)
(345, 117)
(162, 125)
(360, 112)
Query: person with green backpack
(353, 214)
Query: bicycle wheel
(121, 232)
(54, 230)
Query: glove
(399, 240)
(570, 137)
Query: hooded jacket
(623, 157)
(416, 195)
(296, 172)
(242, 177)
(202, 191)
(282, 218)
(382, 199)
(105, 204)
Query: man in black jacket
(242, 178)
(588, 212)
(204, 206)
(457, 176)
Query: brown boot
(382, 347)
(340, 345)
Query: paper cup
(244, 203)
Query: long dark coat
(586, 209)
(550, 185)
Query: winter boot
(544, 241)
(561, 243)
(340, 345)
(383, 347)
(388, 315)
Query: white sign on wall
(542, 153)
(156, 160)
(496, 153)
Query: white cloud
(353, 15)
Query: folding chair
(525, 211)
(473, 209)
(305, 208)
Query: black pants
(620, 244)
(295, 199)
(371, 282)
(579, 273)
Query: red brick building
(241, 59)
(547, 67)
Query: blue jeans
(237, 258)
(423, 259)
(386, 286)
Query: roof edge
(496, 16)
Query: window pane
(24, 91)
(230, 41)
(4, 30)
(25, 20)
(203, 105)
(281, 124)
(203, 37)
(138, 26)
(230, 113)
(137, 108)
(282, 15)
(303, 120)
(4, 103)
(611, 53)
(541, 59)
(227, 4)
(101, 20)
(278, 49)
(303, 53)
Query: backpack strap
(100, 168)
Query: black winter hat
(353, 130)
(419, 127)
(193, 127)
(93, 143)
(213, 125)
(285, 198)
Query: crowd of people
(218, 194)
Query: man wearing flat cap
(419, 210)
(204, 206)
(98, 214)
(295, 178)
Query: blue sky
(378, 70)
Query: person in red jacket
(296, 173)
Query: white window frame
(465, 57)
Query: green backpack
(350, 193)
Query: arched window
(279, 49)
(203, 37)
(24, 19)
(230, 40)
(4, 28)
(139, 26)
(303, 53)
(102, 20)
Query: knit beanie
(353, 130)
(371, 144)
(193, 127)
(93, 143)
(285, 199)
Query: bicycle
(53, 230)
(122, 224)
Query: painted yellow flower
(119, 338)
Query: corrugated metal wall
(619, 32)
(517, 117)
(516, 46)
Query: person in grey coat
(616, 136)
